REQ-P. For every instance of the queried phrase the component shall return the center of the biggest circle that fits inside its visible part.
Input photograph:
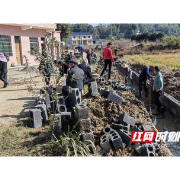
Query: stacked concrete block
(85, 125)
(35, 118)
(115, 98)
(82, 111)
(147, 150)
(43, 109)
(127, 119)
(93, 88)
(146, 127)
(124, 136)
(47, 101)
(104, 143)
(61, 100)
(74, 97)
(107, 130)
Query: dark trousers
(89, 80)
(143, 85)
(158, 101)
(89, 60)
(3, 76)
(107, 62)
(47, 78)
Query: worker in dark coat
(3, 69)
(143, 77)
(87, 71)
(89, 54)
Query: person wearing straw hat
(128, 73)
(3, 69)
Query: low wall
(171, 104)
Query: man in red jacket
(108, 59)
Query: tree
(66, 30)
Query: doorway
(18, 50)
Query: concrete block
(93, 88)
(124, 136)
(100, 79)
(104, 143)
(85, 124)
(147, 150)
(120, 87)
(104, 92)
(35, 118)
(146, 127)
(127, 119)
(65, 118)
(61, 100)
(115, 98)
(82, 111)
(74, 97)
(85, 103)
(116, 140)
(61, 108)
(87, 136)
(107, 130)
(43, 109)
(47, 101)
(134, 128)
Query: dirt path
(14, 100)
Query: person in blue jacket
(143, 77)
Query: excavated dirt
(103, 112)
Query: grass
(170, 60)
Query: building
(85, 38)
(16, 40)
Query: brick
(124, 136)
(74, 97)
(47, 101)
(82, 111)
(35, 118)
(85, 124)
(43, 109)
(87, 136)
(93, 88)
(127, 119)
(146, 127)
(116, 140)
(115, 98)
(104, 143)
(61, 108)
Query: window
(74, 37)
(33, 42)
(84, 36)
(5, 45)
(89, 36)
(89, 42)
(74, 42)
(79, 37)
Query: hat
(73, 61)
(2, 58)
(124, 65)
(157, 68)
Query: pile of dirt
(103, 112)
